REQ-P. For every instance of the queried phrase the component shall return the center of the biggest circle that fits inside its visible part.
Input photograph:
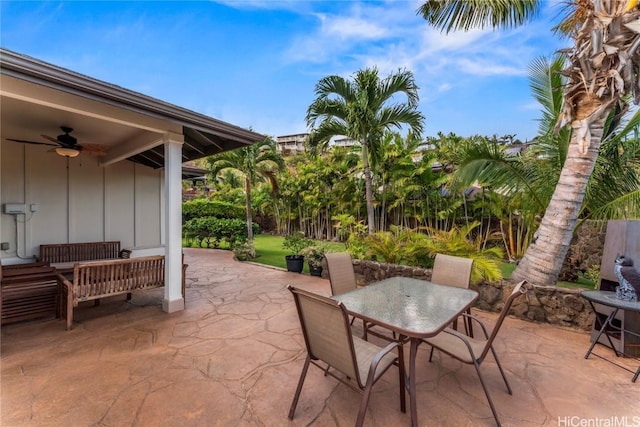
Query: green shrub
(212, 231)
(409, 247)
(314, 255)
(295, 242)
(205, 208)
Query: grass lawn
(270, 251)
(507, 268)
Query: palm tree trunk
(247, 189)
(368, 190)
(544, 257)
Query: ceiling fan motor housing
(66, 139)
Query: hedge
(214, 231)
(204, 208)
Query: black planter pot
(295, 263)
(315, 271)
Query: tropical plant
(257, 161)
(295, 242)
(387, 245)
(314, 254)
(458, 241)
(603, 68)
(362, 109)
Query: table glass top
(412, 307)
(609, 298)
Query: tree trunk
(543, 260)
(368, 190)
(247, 189)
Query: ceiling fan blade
(94, 149)
(32, 142)
(48, 138)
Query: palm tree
(254, 162)
(362, 109)
(603, 67)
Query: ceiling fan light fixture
(67, 152)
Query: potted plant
(314, 256)
(295, 242)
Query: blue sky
(255, 63)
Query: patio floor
(233, 357)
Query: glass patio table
(413, 309)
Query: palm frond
(451, 15)
(627, 206)
(546, 83)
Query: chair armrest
(378, 357)
(462, 337)
(64, 282)
(474, 318)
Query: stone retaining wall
(558, 306)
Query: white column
(173, 300)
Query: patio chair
(341, 274)
(473, 351)
(342, 278)
(328, 338)
(454, 271)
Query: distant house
(291, 144)
(345, 142)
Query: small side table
(609, 299)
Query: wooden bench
(93, 280)
(27, 292)
(72, 252)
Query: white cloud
(444, 87)
(351, 28)
(479, 67)
(434, 41)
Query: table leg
(402, 373)
(600, 332)
(413, 351)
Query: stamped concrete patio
(233, 358)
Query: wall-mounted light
(67, 152)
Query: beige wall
(77, 200)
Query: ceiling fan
(67, 145)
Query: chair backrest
(452, 271)
(518, 290)
(326, 330)
(341, 274)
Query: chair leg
(504, 377)
(303, 375)
(363, 405)
(486, 392)
(431, 353)
(469, 324)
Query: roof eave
(31, 69)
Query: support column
(173, 299)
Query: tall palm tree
(603, 67)
(254, 162)
(362, 109)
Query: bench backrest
(70, 252)
(96, 279)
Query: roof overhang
(38, 97)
